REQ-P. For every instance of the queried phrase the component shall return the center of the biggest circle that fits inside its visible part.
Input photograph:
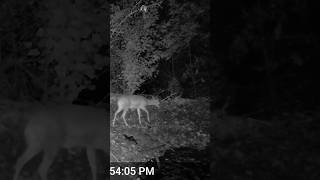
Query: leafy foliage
(55, 47)
(141, 37)
(72, 39)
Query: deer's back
(132, 101)
(67, 126)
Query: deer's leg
(124, 117)
(115, 116)
(92, 162)
(30, 152)
(48, 157)
(139, 115)
(145, 109)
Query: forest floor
(285, 148)
(173, 125)
(175, 142)
(178, 131)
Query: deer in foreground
(51, 128)
(137, 102)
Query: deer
(138, 102)
(51, 128)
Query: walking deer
(51, 128)
(137, 102)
